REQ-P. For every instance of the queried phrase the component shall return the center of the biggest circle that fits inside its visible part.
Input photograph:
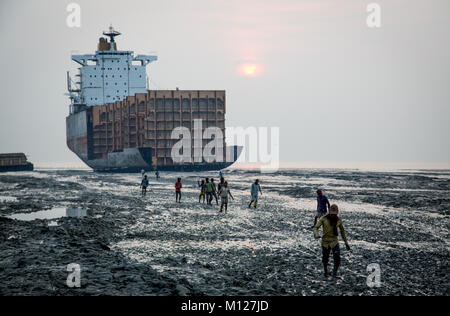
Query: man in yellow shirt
(330, 224)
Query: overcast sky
(338, 90)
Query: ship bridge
(109, 75)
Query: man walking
(323, 205)
(201, 185)
(330, 243)
(224, 192)
(209, 191)
(255, 190)
(178, 187)
(144, 185)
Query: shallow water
(53, 213)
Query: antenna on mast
(111, 33)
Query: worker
(330, 243)
(254, 191)
(178, 187)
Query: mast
(111, 33)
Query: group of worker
(209, 191)
(326, 216)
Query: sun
(249, 70)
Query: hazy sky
(338, 90)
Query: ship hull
(26, 167)
(80, 140)
(134, 160)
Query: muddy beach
(129, 245)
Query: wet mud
(126, 244)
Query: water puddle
(7, 199)
(54, 213)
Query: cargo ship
(116, 124)
(15, 162)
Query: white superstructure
(110, 75)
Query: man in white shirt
(255, 189)
(224, 192)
